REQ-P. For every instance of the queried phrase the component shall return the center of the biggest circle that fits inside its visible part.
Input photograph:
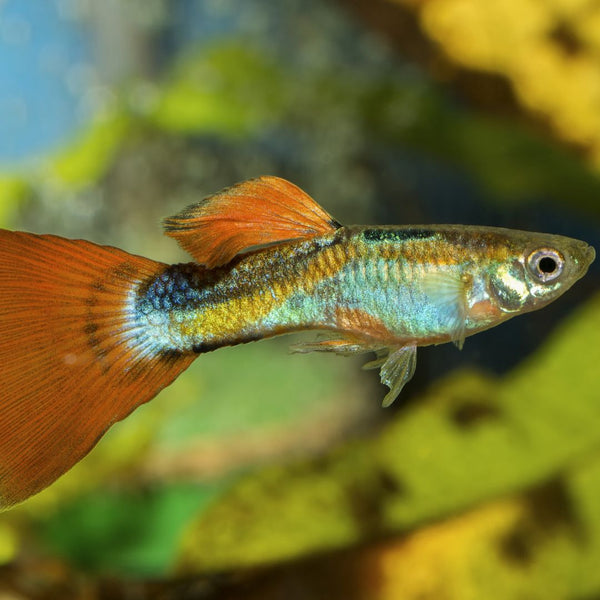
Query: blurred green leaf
(513, 162)
(13, 190)
(182, 435)
(258, 389)
(85, 159)
(228, 89)
(135, 532)
(470, 440)
(516, 164)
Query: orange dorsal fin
(73, 358)
(254, 213)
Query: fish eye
(546, 264)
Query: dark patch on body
(170, 355)
(204, 347)
(177, 287)
(183, 291)
(190, 286)
(397, 235)
(314, 247)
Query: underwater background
(260, 474)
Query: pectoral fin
(448, 291)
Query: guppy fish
(88, 332)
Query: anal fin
(338, 345)
(397, 364)
(397, 370)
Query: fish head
(540, 268)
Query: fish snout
(590, 254)
(582, 256)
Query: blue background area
(38, 51)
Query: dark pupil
(547, 265)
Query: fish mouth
(585, 256)
(590, 255)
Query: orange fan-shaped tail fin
(73, 361)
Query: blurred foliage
(509, 161)
(469, 441)
(128, 533)
(208, 94)
(13, 190)
(93, 515)
(228, 89)
(493, 482)
(548, 49)
(87, 157)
